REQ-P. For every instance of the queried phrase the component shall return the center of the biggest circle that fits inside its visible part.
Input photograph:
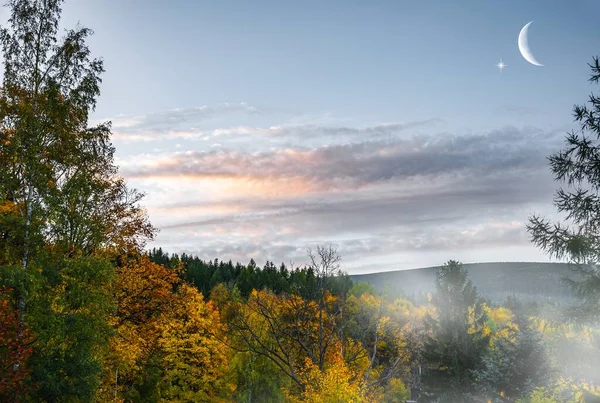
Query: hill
(541, 282)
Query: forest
(88, 313)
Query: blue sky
(260, 128)
(377, 60)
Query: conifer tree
(517, 363)
(457, 342)
(577, 166)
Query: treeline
(205, 275)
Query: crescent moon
(524, 46)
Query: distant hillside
(494, 281)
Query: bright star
(501, 65)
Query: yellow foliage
(8, 207)
(395, 392)
(370, 300)
(564, 390)
(194, 357)
(160, 316)
(220, 295)
(499, 323)
(335, 384)
(501, 316)
(356, 356)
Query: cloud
(368, 132)
(166, 121)
(498, 154)
(384, 193)
(193, 134)
(134, 131)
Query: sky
(259, 129)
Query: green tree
(577, 166)
(257, 379)
(457, 343)
(69, 317)
(361, 288)
(516, 364)
(64, 205)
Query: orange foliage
(9, 218)
(14, 349)
(160, 316)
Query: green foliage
(457, 342)
(563, 391)
(69, 313)
(517, 362)
(540, 395)
(143, 388)
(395, 392)
(257, 379)
(361, 288)
(205, 275)
(63, 209)
(577, 166)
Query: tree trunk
(24, 262)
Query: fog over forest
(391, 217)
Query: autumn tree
(14, 348)
(564, 391)
(334, 383)
(375, 340)
(169, 342)
(66, 210)
(194, 357)
(288, 328)
(313, 335)
(325, 263)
